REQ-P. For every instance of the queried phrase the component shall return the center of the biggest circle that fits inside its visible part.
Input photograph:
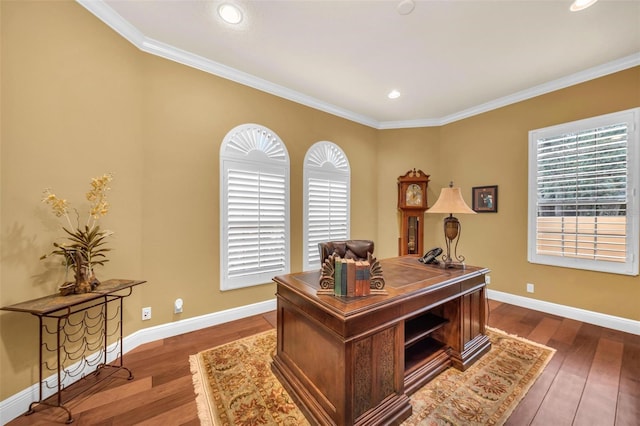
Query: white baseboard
(603, 320)
(163, 331)
(18, 404)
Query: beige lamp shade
(450, 201)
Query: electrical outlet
(529, 288)
(177, 306)
(487, 279)
(146, 313)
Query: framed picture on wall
(485, 199)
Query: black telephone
(430, 256)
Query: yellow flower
(99, 209)
(97, 195)
(87, 240)
(59, 206)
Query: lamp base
(451, 264)
(452, 229)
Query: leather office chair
(347, 249)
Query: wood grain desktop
(354, 361)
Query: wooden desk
(76, 328)
(354, 361)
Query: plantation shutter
(256, 223)
(582, 194)
(327, 214)
(326, 177)
(254, 207)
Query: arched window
(254, 207)
(327, 178)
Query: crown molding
(406, 124)
(195, 61)
(110, 17)
(561, 83)
(120, 25)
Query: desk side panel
(314, 356)
(378, 369)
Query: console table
(354, 361)
(76, 328)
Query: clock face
(413, 195)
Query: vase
(85, 282)
(67, 288)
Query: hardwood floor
(593, 379)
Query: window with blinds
(255, 223)
(326, 199)
(583, 194)
(254, 207)
(327, 215)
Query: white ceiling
(449, 58)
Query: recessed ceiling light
(405, 7)
(394, 94)
(581, 5)
(230, 13)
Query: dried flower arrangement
(85, 248)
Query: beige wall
(399, 151)
(71, 95)
(492, 149)
(78, 101)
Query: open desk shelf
(421, 327)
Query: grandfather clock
(412, 203)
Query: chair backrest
(348, 249)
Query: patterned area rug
(234, 385)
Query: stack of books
(351, 277)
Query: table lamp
(450, 201)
